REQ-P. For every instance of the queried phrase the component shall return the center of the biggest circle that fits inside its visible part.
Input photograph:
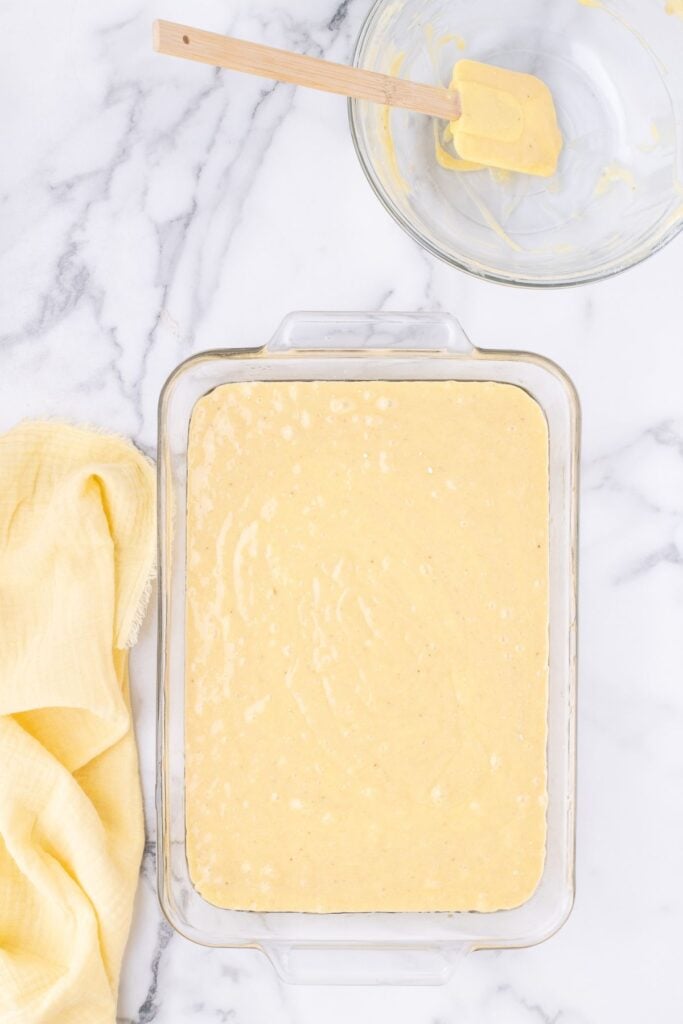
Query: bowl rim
(471, 267)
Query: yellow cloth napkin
(76, 556)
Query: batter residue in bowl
(367, 646)
(612, 175)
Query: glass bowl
(617, 80)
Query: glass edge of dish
(196, 934)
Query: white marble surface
(152, 208)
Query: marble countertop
(153, 208)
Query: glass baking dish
(369, 948)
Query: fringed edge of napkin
(140, 612)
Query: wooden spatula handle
(268, 62)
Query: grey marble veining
(152, 208)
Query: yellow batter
(367, 646)
(508, 119)
(613, 174)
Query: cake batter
(367, 619)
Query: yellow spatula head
(508, 119)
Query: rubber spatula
(500, 118)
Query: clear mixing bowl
(616, 74)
